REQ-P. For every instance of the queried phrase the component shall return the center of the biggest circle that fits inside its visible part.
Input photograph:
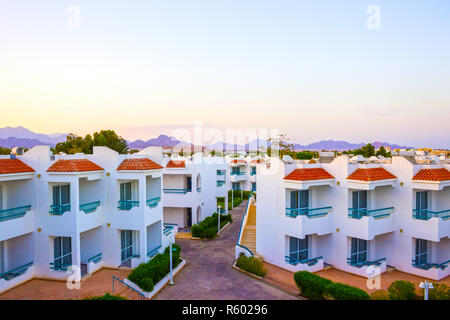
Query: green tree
(382, 152)
(4, 151)
(306, 155)
(284, 147)
(107, 138)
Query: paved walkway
(209, 275)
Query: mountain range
(23, 137)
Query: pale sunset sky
(313, 69)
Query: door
(62, 247)
(358, 251)
(61, 198)
(359, 204)
(298, 248)
(422, 205)
(189, 183)
(189, 216)
(126, 239)
(421, 257)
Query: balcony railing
(167, 229)
(199, 189)
(220, 173)
(427, 266)
(153, 252)
(220, 183)
(237, 173)
(252, 173)
(89, 207)
(376, 213)
(310, 213)
(59, 266)
(152, 203)
(14, 213)
(59, 209)
(428, 214)
(180, 191)
(358, 263)
(96, 259)
(8, 275)
(309, 262)
(127, 204)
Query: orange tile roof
(140, 164)
(176, 164)
(439, 174)
(238, 161)
(309, 174)
(74, 165)
(371, 174)
(10, 166)
(256, 161)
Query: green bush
(311, 285)
(401, 290)
(379, 295)
(106, 296)
(207, 228)
(147, 274)
(440, 292)
(341, 291)
(251, 264)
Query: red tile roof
(74, 165)
(371, 174)
(11, 166)
(176, 164)
(140, 164)
(238, 161)
(256, 161)
(439, 174)
(309, 174)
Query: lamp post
(171, 278)
(218, 221)
(426, 285)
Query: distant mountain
(30, 136)
(21, 142)
(162, 141)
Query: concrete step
(183, 235)
(389, 269)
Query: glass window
(421, 204)
(358, 251)
(62, 247)
(61, 194)
(125, 191)
(298, 248)
(126, 239)
(421, 256)
(299, 199)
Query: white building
(191, 186)
(355, 215)
(242, 173)
(79, 212)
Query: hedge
(379, 295)
(238, 193)
(341, 291)
(251, 264)
(440, 292)
(106, 296)
(207, 228)
(402, 290)
(236, 201)
(146, 275)
(311, 285)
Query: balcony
(152, 203)
(220, 173)
(220, 183)
(59, 209)
(8, 275)
(360, 264)
(367, 224)
(309, 262)
(127, 205)
(311, 265)
(430, 225)
(310, 213)
(89, 207)
(428, 266)
(199, 189)
(14, 213)
(179, 191)
(237, 176)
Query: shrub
(311, 285)
(440, 292)
(341, 291)
(207, 228)
(251, 264)
(106, 296)
(401, 290)
(147, 274)
(379, 295)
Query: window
(235, 170)
(236, 186)
(126, 241)
(62, 247)
(298, 248)
(421, 256)
(253, 170)
(421, 205)
(253, 186)
(125, 191)
(299, 199)
(61, 194)
(359, 202)
(358, 251)
(189, 183)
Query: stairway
(128, 293)
(249, 232)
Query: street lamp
(426, 285)
(171, 277)
(218, 221)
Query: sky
(315, 70)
